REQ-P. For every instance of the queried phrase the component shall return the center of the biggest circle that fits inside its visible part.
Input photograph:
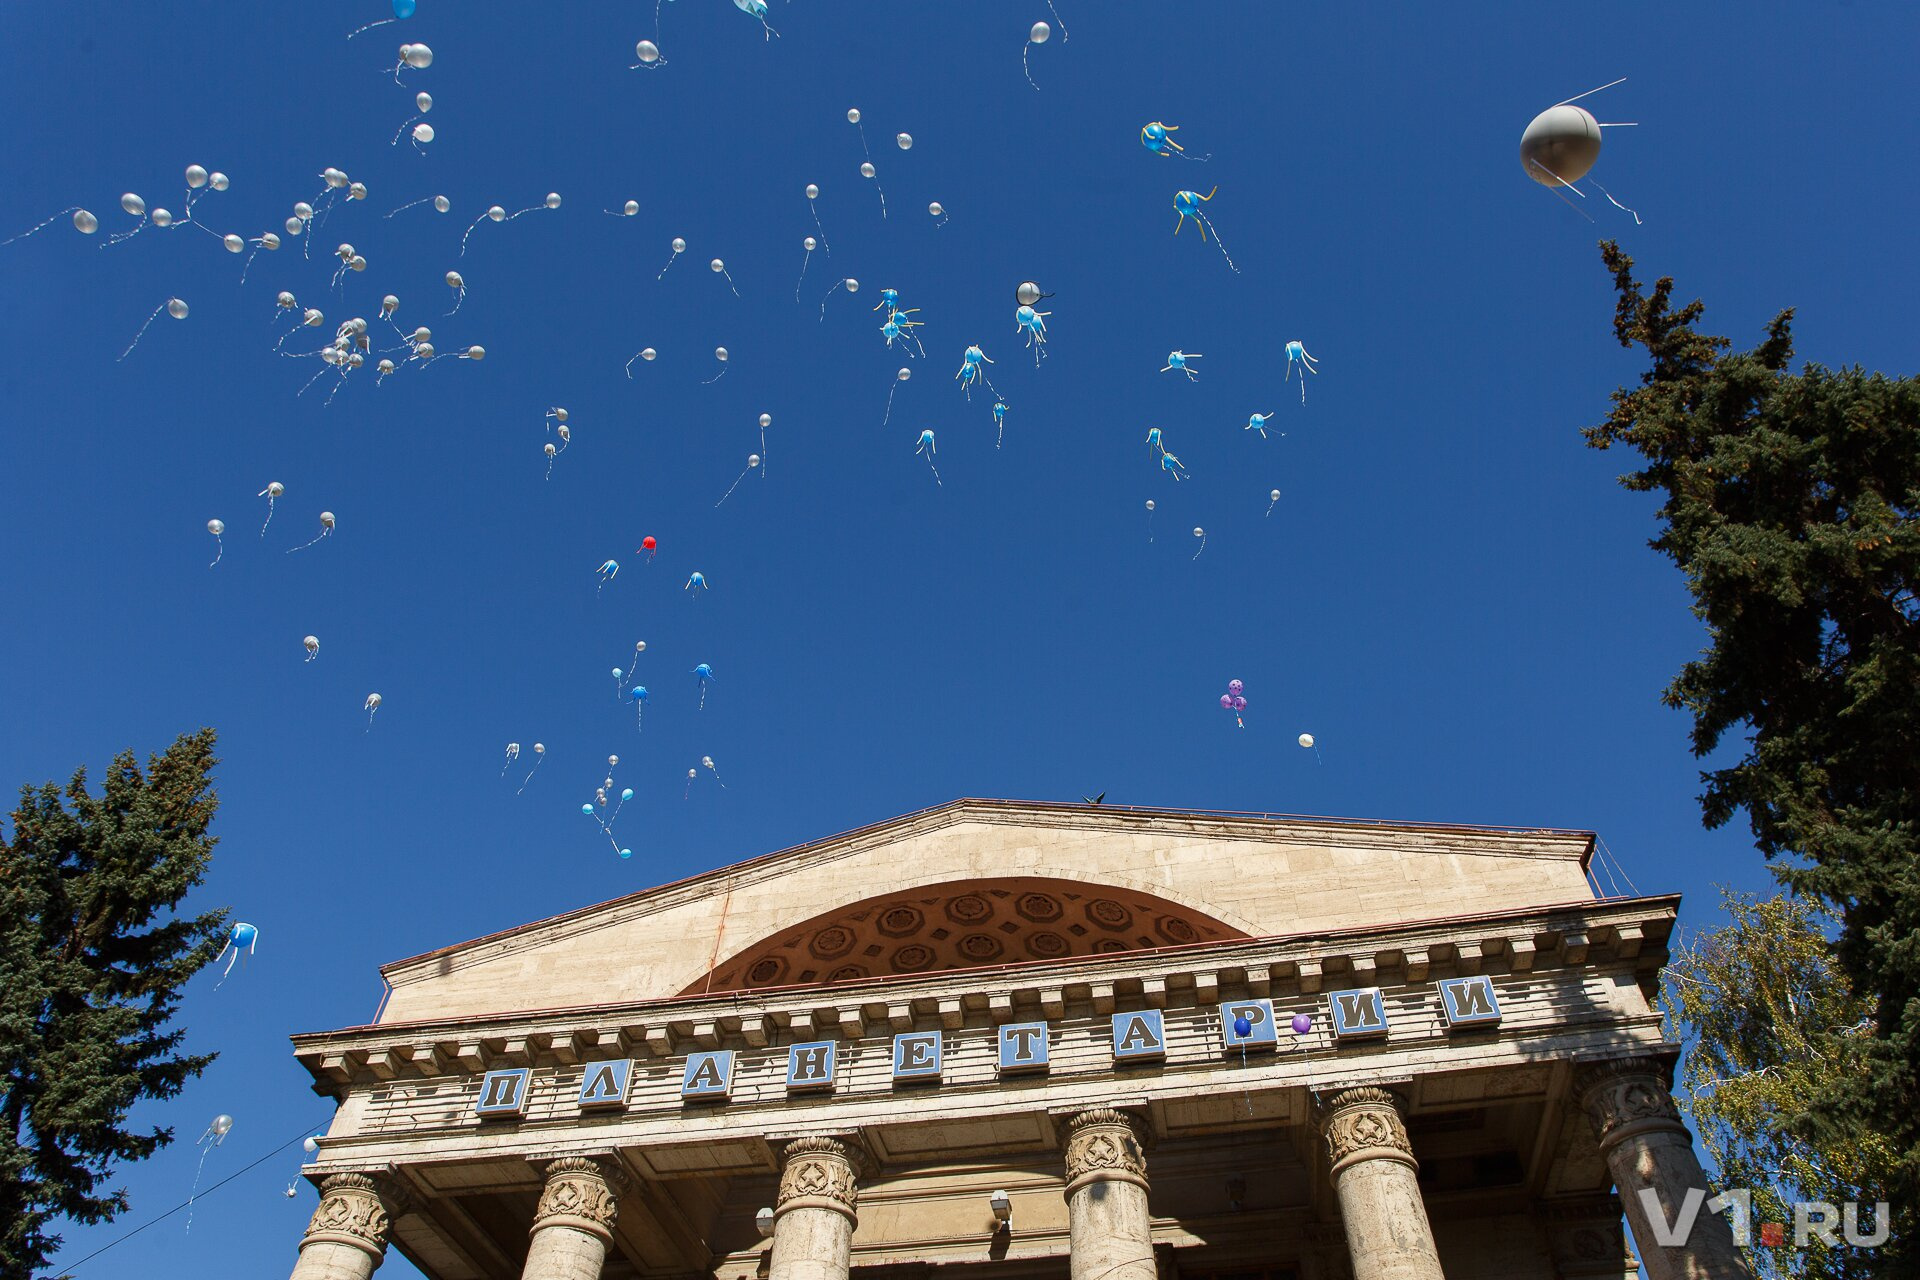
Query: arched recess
(963, 925)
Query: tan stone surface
(1221, 876)
(1109, 1224)
(1377, 1181)
(814, 1212)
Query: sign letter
(503, 1094)
(1023, 1047)
(1139, 1037)
(709, 1076)
(916, 1056)
(1358, 1015)
(605, 1084)
(810, 1066)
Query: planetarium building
(995, 1041)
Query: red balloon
(648, 544)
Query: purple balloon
(1239, 704)
(1302, 1024)
(1234, 686)
(1226, 702)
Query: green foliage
(93, 957)
(1789, 501)
(1770, 1022)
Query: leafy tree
(1789, 500)
(1770, 1022)
(93, 957)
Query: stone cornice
(1630, 932)
(1187, 824)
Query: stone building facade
(1005, 1040)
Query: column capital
(1627, 1097)
(580, 1192)
(1365, 1123)
(1105, 1144)
(1584, 1236)
(357, 1210)
(819, 1173)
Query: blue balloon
(244, 935)
(403, 8)
(639, 693)
(1242, 1027)
(626, 853)
(627, 794)
(704, 671)
(587, 809)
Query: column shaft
(1647, 1147)
(815, 1212)
(573, 1224)
(1110, 1228)
(1377, 1182)
(347, 1236)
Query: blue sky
(1453, 595)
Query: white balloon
(1040, 33)
(679, 245)
(720, 354)
(936, 209)
(766, 420)
(294, 226)
(303, 210)
(1198, 532)
(176, 308)
(84, 222)
(326, 520)
(373, 702)
(311, 1145)
(853, 116)
(312, 644)
(1306, 740)
(196, 177)
(1027, 293)
(813, 192)
(389, 305)
(423, 132)
(216, 527)
(810, 243)
(648, 354)
(418, 56)
(269, 241)
(630, 208)
(357, 191)
(335, 178)
(385, 366)
(497, 213)
(285, 299)
(217, 180)
(853, 286)
(1149, 504)
(866, 170)
(647, 51)
(753, 460)
(454, 280)
(162, 218)
(904, 141)
(548, 449)
(904, 373)
(476, 352)
(553, 199)
(133, 204)
(441, 204)
(1275, 495)
(717, 266)
(424, 101)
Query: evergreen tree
(93, 957)
(1770, 1021)
(1789, 500)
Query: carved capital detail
(356, 1209)
(1584, 1236)
(818, 1173)
(1365, 1124)
(1627, 1097)
(581, 1193)
(1105, 1145)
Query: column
(1377, 1181)
(347, 1236)
(573, 1224)
(1584, 1236)
(815, 1211)
(1648, 1149)
(1109, 1229)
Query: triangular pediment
(984, 882)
